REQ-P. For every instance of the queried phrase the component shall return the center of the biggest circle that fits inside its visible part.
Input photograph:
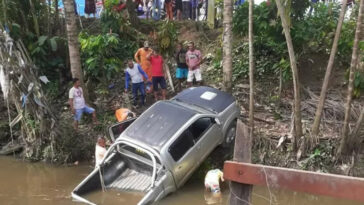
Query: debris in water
(44, 79)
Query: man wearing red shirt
(156, 62)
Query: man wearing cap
(141, 58)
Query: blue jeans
(135, 87)
(79, 112)
(156, 14)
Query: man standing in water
(182, 68)
(156, 62)
(78, 105)
(193, 60)
(100, 150)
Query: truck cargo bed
(131, 180)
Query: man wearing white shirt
(100, 150)
(78, 105)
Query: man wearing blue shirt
(135, 73)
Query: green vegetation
(103, 54)
(311, 34)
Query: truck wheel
(230, 135)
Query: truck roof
(206, 97)
(158, 124)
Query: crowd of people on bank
(145, 75)
(155, 9)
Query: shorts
(181, 73)
(194, 74)
(79, 112)
(214, 188)
(159, 80)
(179, 5)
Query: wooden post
(169, 77)
(241, 193)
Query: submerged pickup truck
(156, 153)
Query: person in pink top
(193, 60)
(156, 62)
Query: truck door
(206, 136)
(184, 156)
(116, 129)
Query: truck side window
(199, 127)
(181, 145)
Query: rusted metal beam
(337, 186)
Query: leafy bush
(167, 36)
(41, 50)
(111, 20)
(311, 33)
(358, 83)
(49, 54)
(104, 54)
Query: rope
(266, 180)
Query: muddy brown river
(39, 183)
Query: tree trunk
(35, 19)
(251, 69)
(211, 14)
(296, 83)
(56, 19)
(49, 10)
(354, 62)
(24, 19)
(73, 44)
(5, 12)
(320, 106)
(227, 44)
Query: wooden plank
(337, 186)
(241, 193)
(127, 102)
(169, 77)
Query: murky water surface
(38, 183)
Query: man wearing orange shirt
(141, 58)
